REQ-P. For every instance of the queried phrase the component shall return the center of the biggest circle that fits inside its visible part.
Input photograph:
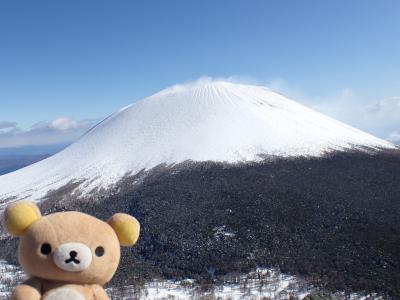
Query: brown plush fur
(63, 228)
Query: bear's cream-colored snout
(73, 257)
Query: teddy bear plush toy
(67, 255)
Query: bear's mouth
(72, 259)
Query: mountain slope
(201, 121)
(332, 220)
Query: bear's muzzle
(73, 257)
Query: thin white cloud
(57, 131)
(394, 137)
(380, 117)
(64, 124)
(7, 126)
(385, 108)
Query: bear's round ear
(18, 216)
(126, 227)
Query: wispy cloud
(7, 126)
(394, 137)
(380, 117)
(60, 130)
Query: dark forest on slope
(334, 220)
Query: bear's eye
(45, 249)
(99, 251)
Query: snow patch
(223, 231)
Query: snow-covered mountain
(200, 121)
(330, 218)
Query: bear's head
(69, 246)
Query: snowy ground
(259, 284)
(9, 276)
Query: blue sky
(66, 64)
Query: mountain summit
(201, 121)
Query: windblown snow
(200, 121)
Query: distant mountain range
(11, 163)
(12, 159)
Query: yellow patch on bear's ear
(126, 227)
(18, 216)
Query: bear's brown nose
(73, 254)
